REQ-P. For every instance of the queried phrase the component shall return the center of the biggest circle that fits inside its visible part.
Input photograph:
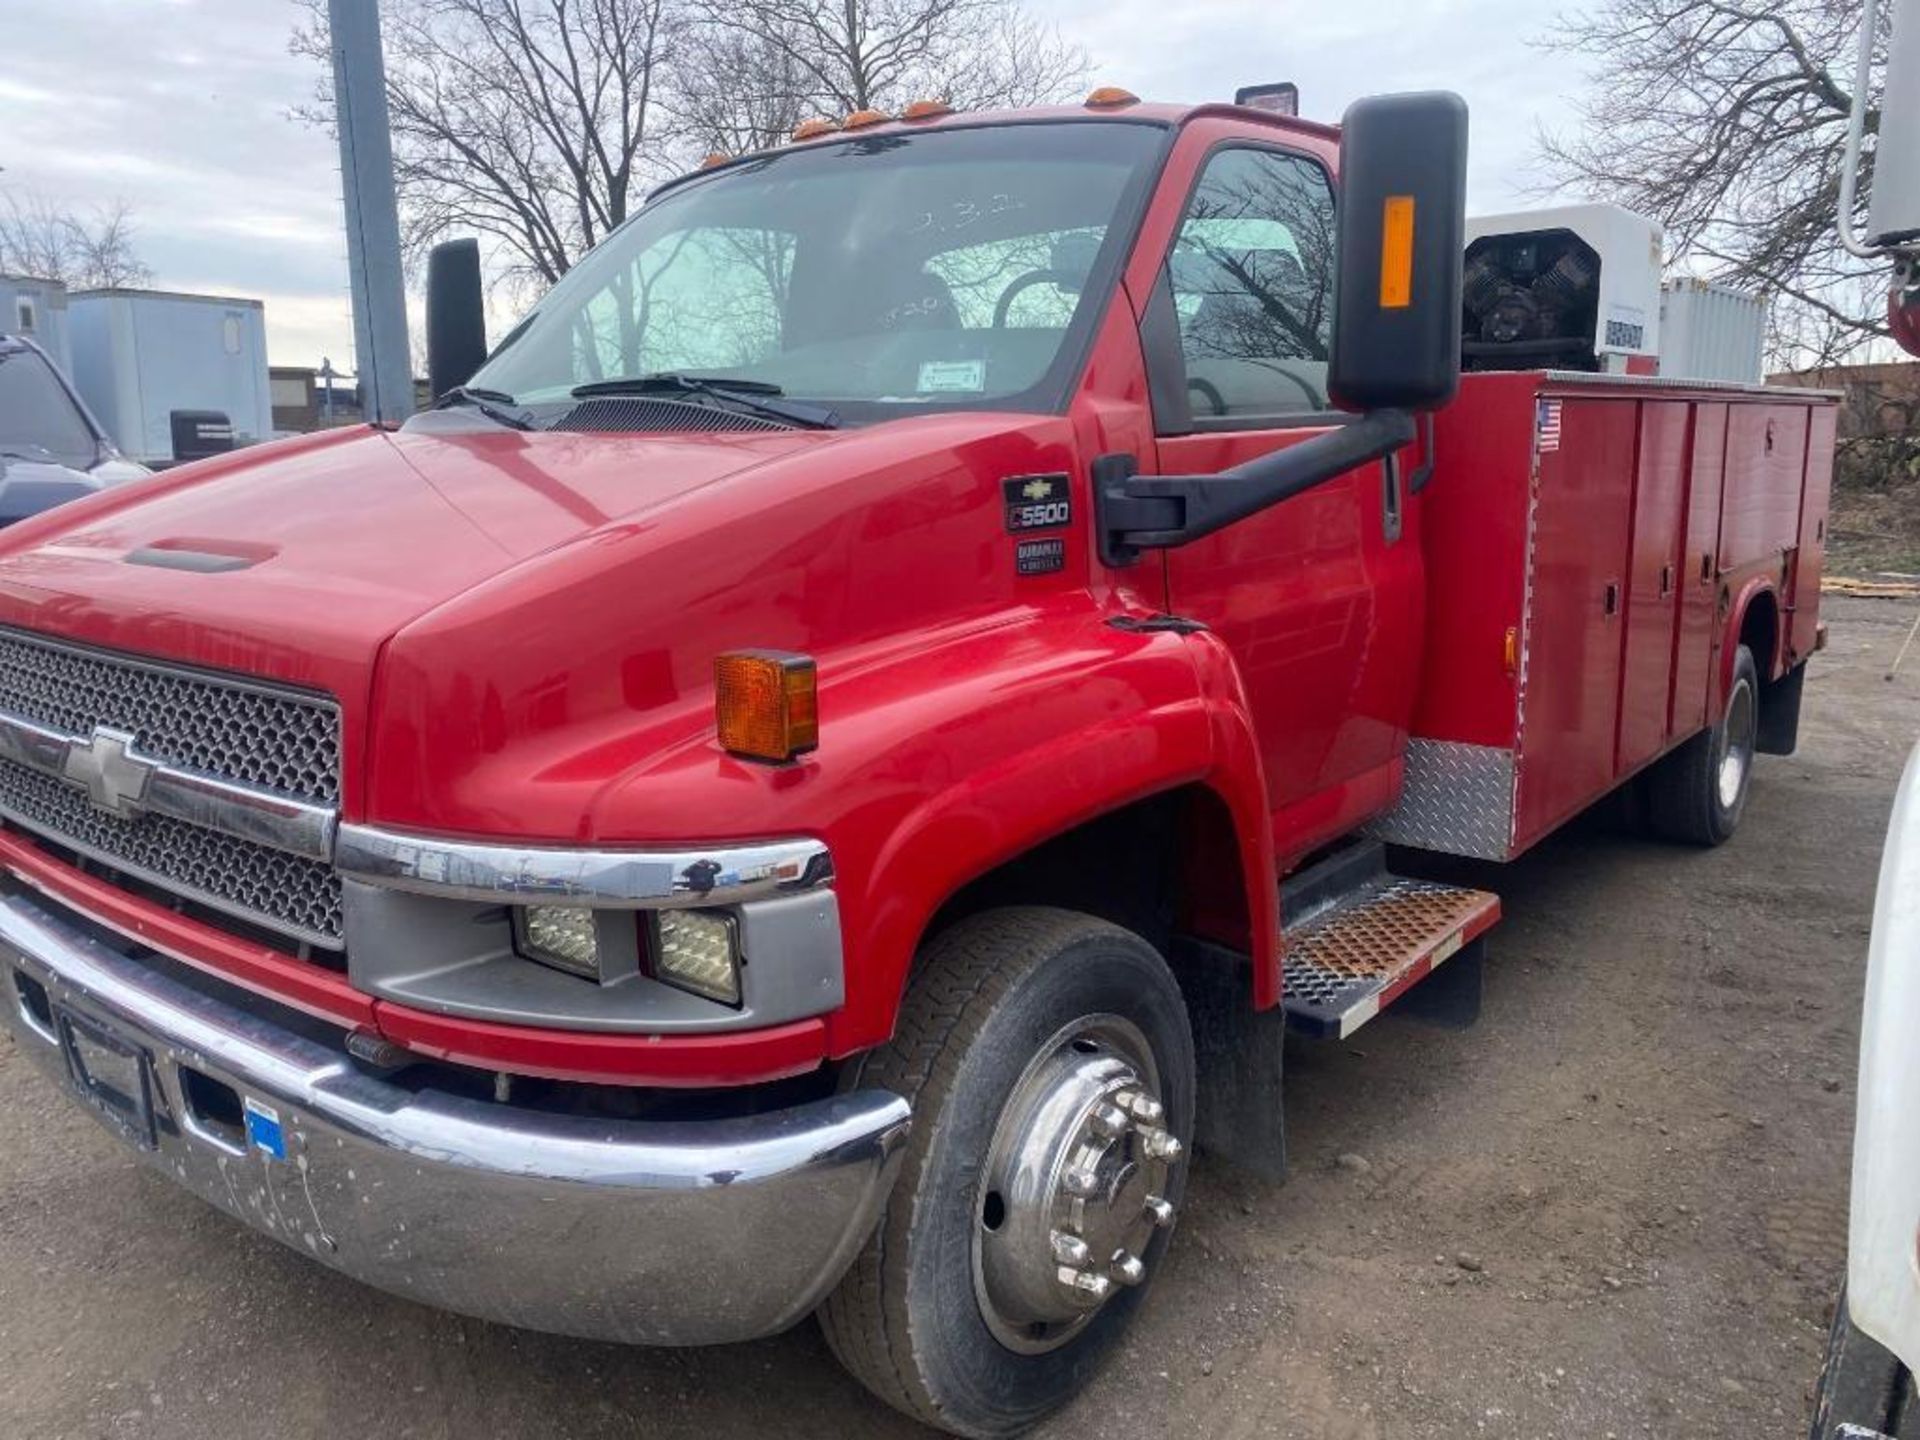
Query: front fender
(948, 754)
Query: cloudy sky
(181, 108)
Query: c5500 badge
(1037, 502)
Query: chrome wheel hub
(1075, 1184)
(1736, 746)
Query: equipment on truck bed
(1575, 287)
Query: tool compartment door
(1653, 582)
(1810, 563)
(1571, 694)
(1766, 456)
(1699, 567)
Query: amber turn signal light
(1396, 252)
(767, 704)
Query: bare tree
(535, 123)
(737, 91)
(1726, 119)
(845, 55)
(540, 124)
(41, 239)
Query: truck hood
(297, 560)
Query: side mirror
(1399, 244)
(456, 315)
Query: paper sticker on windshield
(953, 377)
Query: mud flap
(1779, 730)
(1239, 1115)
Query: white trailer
(171, 376)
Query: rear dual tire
(1050, 1066)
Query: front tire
(1050, 1066)
(1697, 794)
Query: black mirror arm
(1159, 512)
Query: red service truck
(818, 775)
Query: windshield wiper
(489, 403)
(757, 397)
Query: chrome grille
(301, 897)
(272, 740)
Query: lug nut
(1161, 1145)
(1109, 1122)
(1085, 1281)
(1069, 1249)
(1127, 1269)
(1159, 1211)
(1080, 1182)
(1144, 1108)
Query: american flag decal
(1547, 425)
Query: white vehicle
(1867, 1387)
(51, 448)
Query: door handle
(1611, 604)
(1666, 580)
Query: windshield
(38, 419)
(881, 276)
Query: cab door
(1319, 597)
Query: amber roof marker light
(926, 110)
(861, 119)
(819, 125)
(766, 704)
(1110, 97)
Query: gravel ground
(1615, 1207)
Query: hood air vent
(627, 413)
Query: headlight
(563, 936)
(698, 951)
(693, 950)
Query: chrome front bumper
(681, 1233)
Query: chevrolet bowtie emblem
(105, 766)
(1038, 488)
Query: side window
(1252, 280)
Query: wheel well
(1165, 865)
(1760, 631)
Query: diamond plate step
(1349, 962)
